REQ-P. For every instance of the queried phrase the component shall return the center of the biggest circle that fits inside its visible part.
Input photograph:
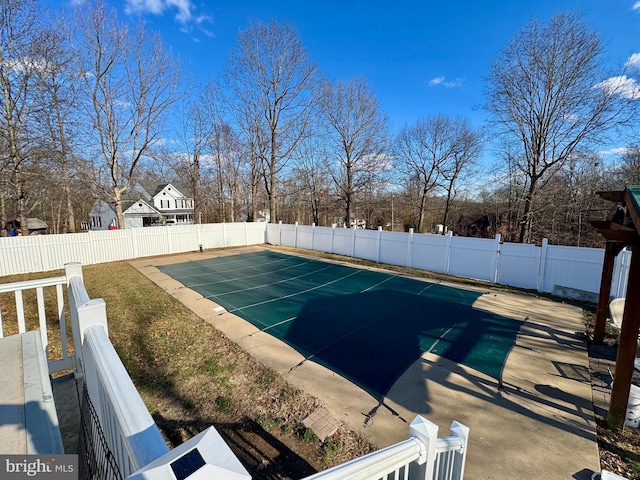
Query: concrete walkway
(537, 423)
(28, 419)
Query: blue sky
(420, 57)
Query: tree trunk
(526, 219)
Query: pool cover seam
(294, 294)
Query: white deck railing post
(460, 456)
(427, 433)
(84, 311)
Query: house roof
(32, 224)
(154, 188)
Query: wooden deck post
(626, 347)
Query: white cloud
(158, 7)
(622, 85)
(636, 6)
(634, 61)
(614, 151)
(441, 80)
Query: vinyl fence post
(169, 241)
(134, 242)
(410, 247)
(313, 235)
(353, 242)
(495, 264)
(246, 234)
(379, 243)
(42, 254)
(333, 229)
(447, 255)
(280, 232)
(224, 235)
(543, 264)
(295, 235)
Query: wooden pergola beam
(627, 347)
(621, 231)
(613, 196)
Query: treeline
(92, 105)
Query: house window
(96, 222)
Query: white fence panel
(288, 235)
(144, 242)
(367, 244)
(579, 268)
(473, 258)
(212, 235)
(19, 255)
(431, 252)
(518, 265)
(256, 233)
(305, 237)
(343, 241)
(56, 250)
(322, 237)
(235, 234)
(395, 248)
(184, 238)
(113, 245)
(272, 234)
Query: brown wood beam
(611, 251)
(614, 232)
(626, 347)
(632, 210)
(613, 196)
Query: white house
(145, 204)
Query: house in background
(145, 204)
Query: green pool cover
(367, 326)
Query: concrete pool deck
(538, 422)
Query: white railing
(65, 360)
(132, 435)
(564, 271)
(423, 456)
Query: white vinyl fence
(566, 271)
(42, 253)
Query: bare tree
(629, 171)
(427, 149)
(357, 138)
(311, 170)
(58, 82)
(272, 77)
(132, 82)
(458, 167)
(20, 58)
(547, 89)
(193, 131)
